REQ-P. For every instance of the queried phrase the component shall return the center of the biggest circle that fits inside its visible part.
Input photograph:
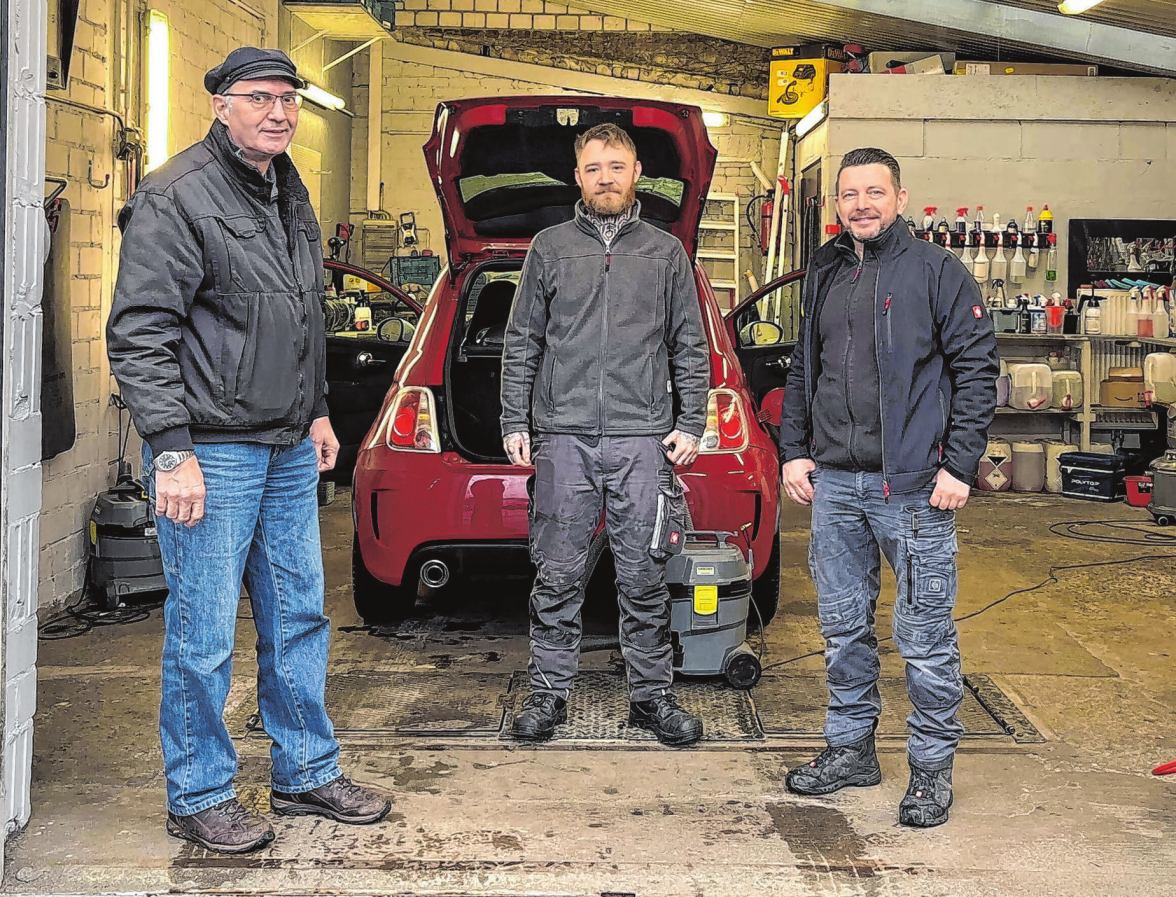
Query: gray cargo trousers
(576, 476)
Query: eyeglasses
(260, 100)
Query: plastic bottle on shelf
(1133, 311)
(961, 221)
(978, 226)
(1030, 221)
(1045, 221)
(929, 218)
(1091, 315)
(1034, 253)
(1051, 259)
(996, 222)
(1018, 267)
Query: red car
(435, 498)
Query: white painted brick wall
(526, 15)
(80, 145)
(20, 447)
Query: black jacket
(937, 360)
(597, 339)
(216, 329)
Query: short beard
(628, 199)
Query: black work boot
(541, 713)
(664, 718)
(836, 768)
(928, 796)
(226, 828)
(340, 799)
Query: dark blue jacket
(937, 360)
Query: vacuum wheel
(1164, 520)
(743, 671)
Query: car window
(488, 308)
(670, 189)
(359, 309)
(780, 306)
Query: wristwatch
(168, 461)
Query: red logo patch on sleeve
(977, 312)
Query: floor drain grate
(598, 710)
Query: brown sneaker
(342, 800)
(226, 828)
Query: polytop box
(799, 78)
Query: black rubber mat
(795, 705)
(387, 703)
(481, 705)
(598, 710)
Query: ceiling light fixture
(320, 97)
(715, 119)
(813, 119)
(1077, 7)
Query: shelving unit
(720, 224)
(1094, 356)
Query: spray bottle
(996, 222)
(929, 218)
(1051, 259)
(981, 265)
(1000, 264)
(1017, 269)
(1090, 313)
(1034, 253)
(1030, 221)
(962, 220)
(978, 226)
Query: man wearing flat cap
(216, 340)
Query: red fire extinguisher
(766, 210)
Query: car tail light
(410, 424)
(726, 424)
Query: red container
(1138, 491)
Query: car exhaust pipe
(434, 574)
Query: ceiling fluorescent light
(715, 119)
(813, 119)
(1077, 7)
(320, 97)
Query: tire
(375, 601)
(1163, 520)
(765, 591)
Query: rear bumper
(411, 507)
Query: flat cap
(251, 64)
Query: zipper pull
(886, 489)
(857, 273)
(886, 306)
(607, 261)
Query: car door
(362, 352)
(762, 329)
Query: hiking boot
(928, 796)
(340, 799)
(836, 768)
(541, 713)
(226, 828)
(664, 718)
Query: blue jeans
(852, 525)
(260, 526)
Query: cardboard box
(919, 62)
(799, 78)
(1023, 68)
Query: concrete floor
(1087, 659)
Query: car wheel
(765, 591)
(377, 602)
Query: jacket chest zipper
(881, 383)
(604, 337)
